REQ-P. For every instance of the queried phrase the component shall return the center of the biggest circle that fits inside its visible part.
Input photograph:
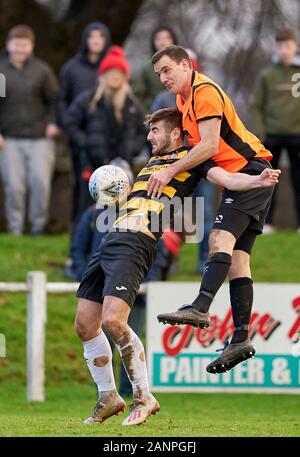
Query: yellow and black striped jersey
(138, 203)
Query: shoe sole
(119, 410)
(226, 366)
(153, 412)
(175, 321)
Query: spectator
(148, 84)
(107, 122)
(276, 113)
(163, 99)
(27, 127)
(77, 75)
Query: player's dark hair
(171, 116)
(176, 53)
(285, 34)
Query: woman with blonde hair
(106, 122)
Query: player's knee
(114, 325)
(85, 331)
(221, 241)
(81, 329)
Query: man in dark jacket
(276, 112)
(77, 75)
(27, 130)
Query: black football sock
(215, 273)
(241, 298)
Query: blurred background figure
(148, 85)
(27, 126)
(77, 75)
(276, 113)
(106, 122)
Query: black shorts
(245, 211)
(118, 267)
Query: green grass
(185, 415)
(18, 255)
(275, 258)
(69, 390)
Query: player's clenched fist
(269, 177)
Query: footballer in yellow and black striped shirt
(167, 139)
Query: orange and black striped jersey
(182, 185)
(207, 100)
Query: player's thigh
(229, 225)
(88, 318)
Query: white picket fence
(37, 289)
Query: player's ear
(176, 133)
(186, 64)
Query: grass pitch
(181, 415)
(70, 394)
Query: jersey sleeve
(208, 103)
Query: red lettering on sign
(264, 325)
(295, 329)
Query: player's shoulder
(204, 87)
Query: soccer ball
(108, 185)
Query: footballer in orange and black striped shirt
(216, 133)
(166, 137)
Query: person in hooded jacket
(148, 85)
(77, 75)
(106, 122)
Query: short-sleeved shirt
(182, 185)
(207, 101)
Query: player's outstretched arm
(242, 181)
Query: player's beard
(163, 148)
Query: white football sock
(98, 355)
(133, 358)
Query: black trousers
(81, 198)
(276, 143)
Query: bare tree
(58, 24)
(233, 38)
